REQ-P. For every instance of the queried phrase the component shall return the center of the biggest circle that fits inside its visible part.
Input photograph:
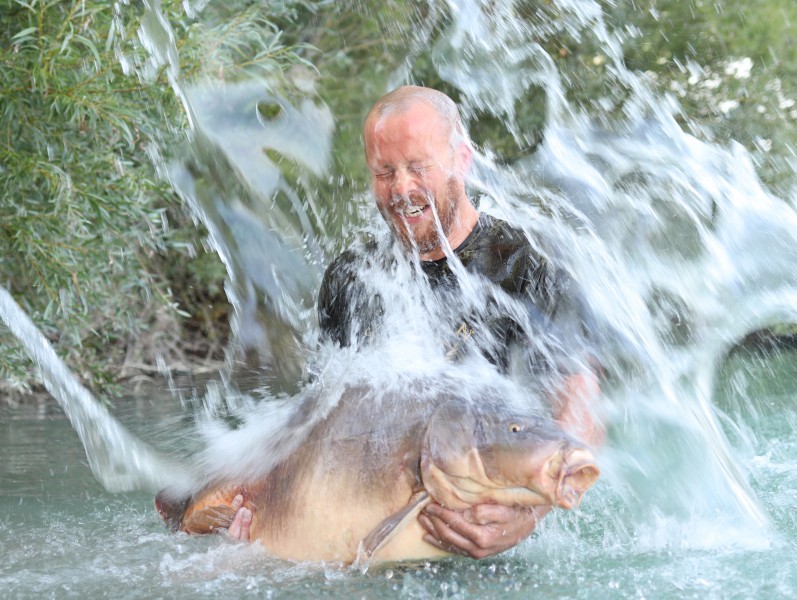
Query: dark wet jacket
(556, 318)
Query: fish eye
(515, 428)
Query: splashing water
(118, 459)
(680, 250)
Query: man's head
(419, 155)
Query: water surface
(63, 536)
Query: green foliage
(691, 48)
(110, 264)
(93, 243)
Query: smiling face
(417, 177)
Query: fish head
(489, 453)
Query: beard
(426, 236)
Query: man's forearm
(575, 407)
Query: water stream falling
(118, 459)
(679, 248)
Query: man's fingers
(430, 539)
(239, 528)
(427, 524)
(442, 536)
(488, 514)
(479, 531)
(209, 520)
(458, 529)
(454, 535)
(479, 514)
(444, 519)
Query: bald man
(419, 157)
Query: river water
(64, 536)
(681, 252)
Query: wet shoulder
(351, 261)
(342, 294)
(501, 253)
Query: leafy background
(109, 262)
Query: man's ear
(464, 159)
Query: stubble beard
(429, 239)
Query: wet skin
(417, 179)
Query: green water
(62, 535)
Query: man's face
(414, 173)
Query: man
(419, 157)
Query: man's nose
(402, 183)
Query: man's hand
(480, 531)
(239, 527)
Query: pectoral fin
(213, 510)
(387, 530)
(210, 519)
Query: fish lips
(488, 454)
(533, 474)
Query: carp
(350, 491)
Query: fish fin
(214, 510)
(210, 519)
(171, 508)
(383, 534)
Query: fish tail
(171, 508)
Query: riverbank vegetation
(93, 243)
(110, 262)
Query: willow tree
(93, 244)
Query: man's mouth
(411, 212)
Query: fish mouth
(577, 473)
(561, 481)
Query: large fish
(352, 489)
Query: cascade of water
(119, 460)
(679, 249)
